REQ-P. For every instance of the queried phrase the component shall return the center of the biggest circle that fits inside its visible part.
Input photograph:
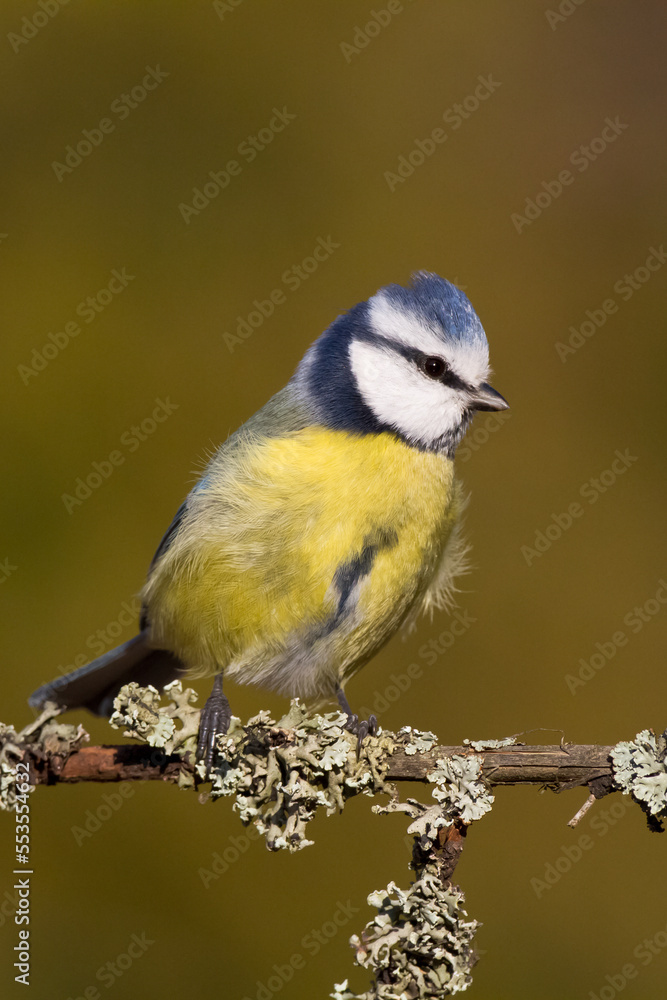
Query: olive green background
(163, 338)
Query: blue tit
(324, 523)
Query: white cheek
(401, 396)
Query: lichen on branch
(281, 772)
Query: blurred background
(129, 272)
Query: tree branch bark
(560, 766)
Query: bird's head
(413, 361)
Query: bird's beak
(486, 398)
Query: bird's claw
(213, 722)
(361, 729)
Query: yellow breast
(280, 530)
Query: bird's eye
(434, 367)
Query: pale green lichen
(280, 772)
(44, 737)
(11, 752)
(418, 945)
(415, 741)
(140, 712)
(481, 745)
(460, 788)
(640, 769)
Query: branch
(559, 767)
(281, 773)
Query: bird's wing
(282, 414)
(169, 534)
(165, 542)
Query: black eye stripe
(448, 378)
(453, 380)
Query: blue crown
(441, 305)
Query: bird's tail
(96, 685)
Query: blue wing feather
(165, 542)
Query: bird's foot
(359, 728)
(213, 722)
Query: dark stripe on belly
(348, 574)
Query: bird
(328, 520)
